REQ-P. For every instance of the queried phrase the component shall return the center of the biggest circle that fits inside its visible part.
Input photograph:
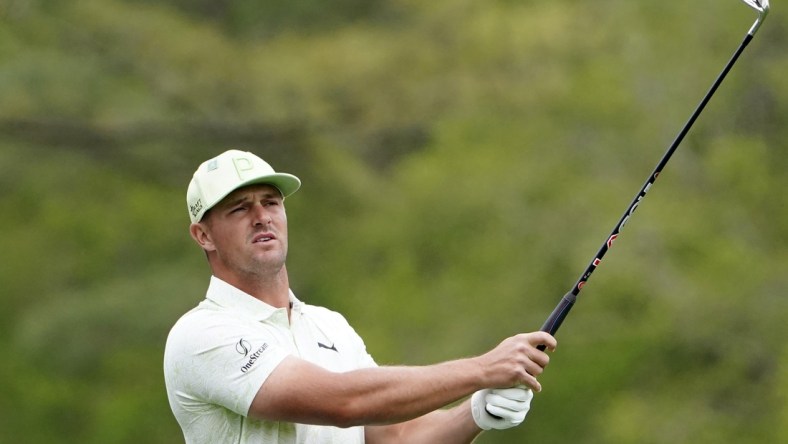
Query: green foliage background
(462, 160)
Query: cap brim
(287, 184)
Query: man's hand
(517, 361)
(509, 405)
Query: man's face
(248, 231)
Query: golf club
(560, 312)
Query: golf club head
(758, 5)
(762, 6)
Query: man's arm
(461, 424)
(300, 392)
(453, 425)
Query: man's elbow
(349, 413)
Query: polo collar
(227, 296)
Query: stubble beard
(265, 267)
(256, 266)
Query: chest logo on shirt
(332, 347)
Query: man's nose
(261, 215)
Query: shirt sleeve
(219, 361)
(365, 360)
(362, 358)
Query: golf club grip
(558, 315)
(553, 322)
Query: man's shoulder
(323, 313)
(197, 314)
(200, 320)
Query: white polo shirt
(219, 354)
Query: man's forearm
(304, 393)
(454, 425)
(386, 395)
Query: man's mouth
(263, 237)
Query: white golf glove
(509, 405)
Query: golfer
(252, 363)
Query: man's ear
(201, 235)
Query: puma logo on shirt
(332, 347)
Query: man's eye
(235, 210)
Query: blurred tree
(462, 160)
(266, 19)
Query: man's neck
(274, 290)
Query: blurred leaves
(461, 160)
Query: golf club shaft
(560, 312)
